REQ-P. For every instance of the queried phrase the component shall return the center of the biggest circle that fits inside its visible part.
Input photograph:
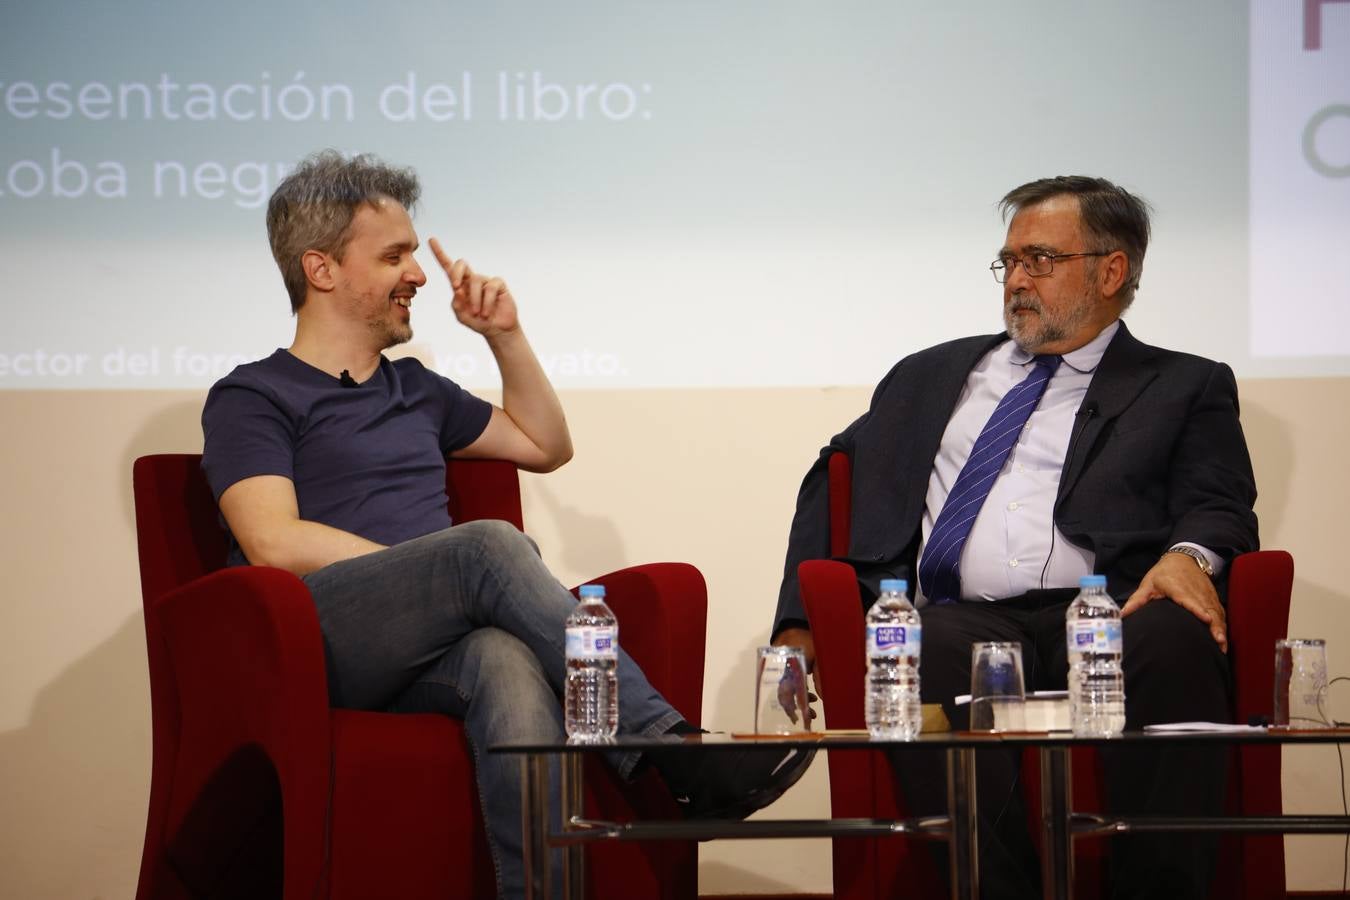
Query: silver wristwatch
(1197, 556)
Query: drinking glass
(1300, 683)
(997, 692)
(780, 691)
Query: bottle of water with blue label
(1096, 679)
(893, 710)
(591, 691)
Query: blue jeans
(468, 622)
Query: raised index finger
(448, 263)
(441, 256)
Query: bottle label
(894, 640)
(1095, 636)
(593, 642)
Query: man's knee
(498, 538)
(498, 660)
(1167, 634)
(509, 688)
(1174, 669)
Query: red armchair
(259, 789)
(864, 868)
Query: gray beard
(1048, 328)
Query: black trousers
(1174, 672)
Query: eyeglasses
(1037, 264)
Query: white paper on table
(963, 699)
(1223, 727)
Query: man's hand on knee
(797, 637)
(1176, 577)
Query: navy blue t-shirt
(369, 460)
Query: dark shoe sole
(795, 764)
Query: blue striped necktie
(940, 568)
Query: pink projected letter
(1312, 22)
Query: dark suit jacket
(1156, 456)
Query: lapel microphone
(346, 379)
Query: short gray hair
(1113, 218)
(312, 208)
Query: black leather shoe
(731, 784)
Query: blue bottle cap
(1088, 581)
(894, 585)
(592, 590)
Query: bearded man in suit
(1131, 464)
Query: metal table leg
(534, 825)
(572, 810)
(965, 867)
(1056, 838)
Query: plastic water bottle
(894, 635)
(591, 693)
(1096, 680)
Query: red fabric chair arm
(405, 819)
(662, 610)
(1259, 587)
(834, 612)
(259, 625)
(248, 661)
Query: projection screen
(681, 194)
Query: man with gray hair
(328, 460)
(995, 471)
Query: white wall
(706, 476)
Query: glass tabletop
(859, 740)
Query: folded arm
(264, 518)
